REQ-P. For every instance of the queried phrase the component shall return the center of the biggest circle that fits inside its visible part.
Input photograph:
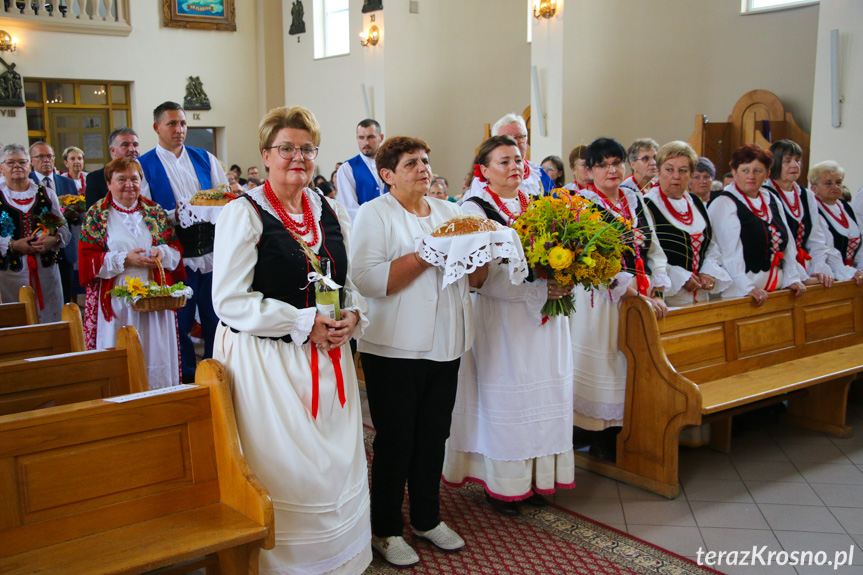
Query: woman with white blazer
(411, 350)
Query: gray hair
(826, 167)
(40, 143)
(13, 149)
(119, 131)
(638, 145)
(71, 149)
(705, 165)
(506, 121)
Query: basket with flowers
(150, 296)
(73, 206)
(566, 237)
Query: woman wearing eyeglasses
(599, 367)
(841, 222)
(294, 385)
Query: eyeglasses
(520, 138)
(288, 152)
(11, 163)
(607, 166)
(44, 157)
(646, 159)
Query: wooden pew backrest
(24, 312)
(66, 336)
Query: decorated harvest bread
(215, 197)
(464, 225)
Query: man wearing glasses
(357, 180)
(536, 182)
(174, 172)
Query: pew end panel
(26, 341)
(25, 312)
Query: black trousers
(411, 402)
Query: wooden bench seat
(24, 312)
(68, 378)
(707, 362)
(66, 336)
(119, 488)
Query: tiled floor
(780, 487)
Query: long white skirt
(599, 367)
(49, 281)
(314, 469)
(512, 422)
(158, 333)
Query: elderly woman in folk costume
(641, 156)
(683, 229)
(820, 262)
(838, 218)
(599, 367)
(122, 236)
(28, 252)
(513, 414)
(758, 251)
(294, 385)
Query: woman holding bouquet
(683, 229)
(599, 372)
(29, 256)
(294, 385)
(122, 236)
(513, 414)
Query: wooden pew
(101, 487)
(25, 312)
(69, 378)
(66, 336)
(707, 362)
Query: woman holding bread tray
(512, 422)
(410, 352)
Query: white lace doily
(189, 215)
(460, 255)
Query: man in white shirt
(536, 182)
(174, 172)
(357, 180)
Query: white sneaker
(395, 551)
(442, 537)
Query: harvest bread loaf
(215, 197)
(464, 225)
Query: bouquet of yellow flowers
(565, 237)
(73, 206)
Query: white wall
(634, 68)
(440, 75)
(845, 143)
(157, 61)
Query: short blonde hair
(71, 149)
(280, 118)
(825, 167)
(677, 149)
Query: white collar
(165, 153)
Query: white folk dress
(512, 422)
(49, 278)
(599, 367)
(314, 468)
(831, 216)
(158, 329)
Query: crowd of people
(452, 380)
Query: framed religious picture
(200, 14)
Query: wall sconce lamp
(544, 8)
(371, 36)
(7, 42)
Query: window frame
(321, 37)
(746, 6)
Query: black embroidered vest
(676, 243)
(24, 225)
(641, 224)
(755, 234)
(840, 242)
(282, 268)
(793, 224)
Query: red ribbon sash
(773, 276)
(641, 277)
(33, 272)
(336, 358)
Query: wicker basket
(159, 302)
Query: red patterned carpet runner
(542, 541)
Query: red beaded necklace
(686, 218)
(301, 229)
(843, 221)
(763, 212)
(120, 208)
(522, 200)
(796, 208)
(621, 208)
